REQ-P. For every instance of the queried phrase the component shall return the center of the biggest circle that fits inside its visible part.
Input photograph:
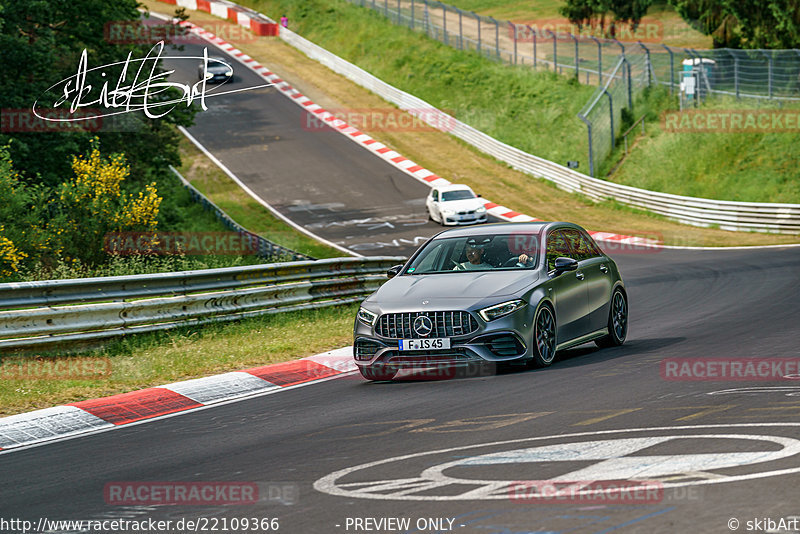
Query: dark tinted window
(457, 195)
(581, 247)
(557, 247)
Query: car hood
(450, 289)
(460, 205)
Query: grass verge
(158, 358)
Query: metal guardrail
(34, 314)
(727, 215)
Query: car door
(568, 290)
(597, 277)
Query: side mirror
(393, 271)
(565, 264)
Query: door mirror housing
(565, 264)
(393, 271)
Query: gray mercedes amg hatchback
(500, 293)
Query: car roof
(494, 228)
(454, 187)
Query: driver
(475, 249)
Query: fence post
(514, 29)
(577, 67)
(647, 63)
(735, 71)
(386, 8)
(630, 83)
(599, 60)
(399, 20)
(769, 73)
(496, 36)
(478, 18)
(426, 18)
(460, 30)
(444, 22)
(555, 52)
(611, 115)
(671, 68)
(412, 15)
(533, 32)
(591, 155)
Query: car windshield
(501, 252)
(457, 195)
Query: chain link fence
(620, 69)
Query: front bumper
(460, 220)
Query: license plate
(425, 344)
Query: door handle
(579, 275)
(604, 268)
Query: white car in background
(455, 204)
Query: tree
(593, 13)
(744, 23)
(42, 41)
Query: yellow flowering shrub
(10, 256)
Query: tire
(378, 372)
(617, 321)
(544, 337)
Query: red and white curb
(95, 415)
(389, 155)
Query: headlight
(366, 316)
(229, 73)
(481, 209)
(499, 310)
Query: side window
(580, 246)
(435, 196)
(556, 248)
(591, 245)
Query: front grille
(445, 324)
(470, 212)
